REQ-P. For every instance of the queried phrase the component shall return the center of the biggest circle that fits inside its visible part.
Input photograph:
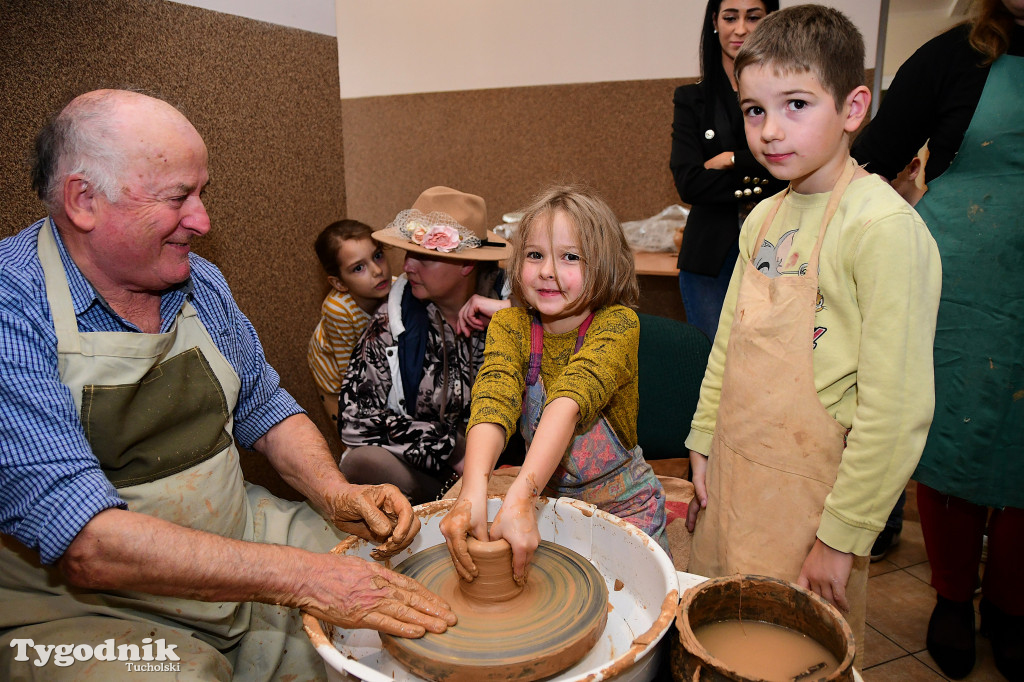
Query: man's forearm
(298, 452)
(124, 550)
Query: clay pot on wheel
(756, 598)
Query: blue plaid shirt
(51, 484)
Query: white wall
(309, 15)
(907, 31)
(390, 47)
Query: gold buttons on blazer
(747, 191)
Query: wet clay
(545, 627)
(764, 651)
(494, 581)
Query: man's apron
(596, 468)
(775, 452)
(157, 410)
(975, 211)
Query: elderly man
(127, 375)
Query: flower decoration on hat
(435, 231)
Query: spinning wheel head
(550, 624)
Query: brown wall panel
(266, 100)
(506, 144)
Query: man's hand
(826, 572)
(698, 471)
(355, 593)
(378, 513)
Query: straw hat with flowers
(447, 223)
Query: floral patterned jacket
(372, 407)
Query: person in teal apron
(964, 92)
(566, 369)
(128, 374)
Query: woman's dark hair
(711, 50)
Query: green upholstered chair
(672, 358)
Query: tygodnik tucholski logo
(152, 656)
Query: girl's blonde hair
(609, 272)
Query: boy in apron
(818, 393)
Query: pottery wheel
(548, 627)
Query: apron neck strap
(58, 293)
(583, 332)
(830, 210)
(537, 344)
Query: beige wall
(909, 31)
(410, 46)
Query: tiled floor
(900, 601)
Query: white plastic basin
(643, 590)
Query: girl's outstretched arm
(484, 443)
(516, 520)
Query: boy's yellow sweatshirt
(878, 295)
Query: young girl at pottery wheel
(565, 368)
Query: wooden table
(649, 263)
(659, 284)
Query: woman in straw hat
(405, 397)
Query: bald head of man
(122, 175)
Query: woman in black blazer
(713, 168)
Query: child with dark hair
(360, 279)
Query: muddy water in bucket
(760, 628)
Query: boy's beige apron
(776, 451)
(157, 409)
